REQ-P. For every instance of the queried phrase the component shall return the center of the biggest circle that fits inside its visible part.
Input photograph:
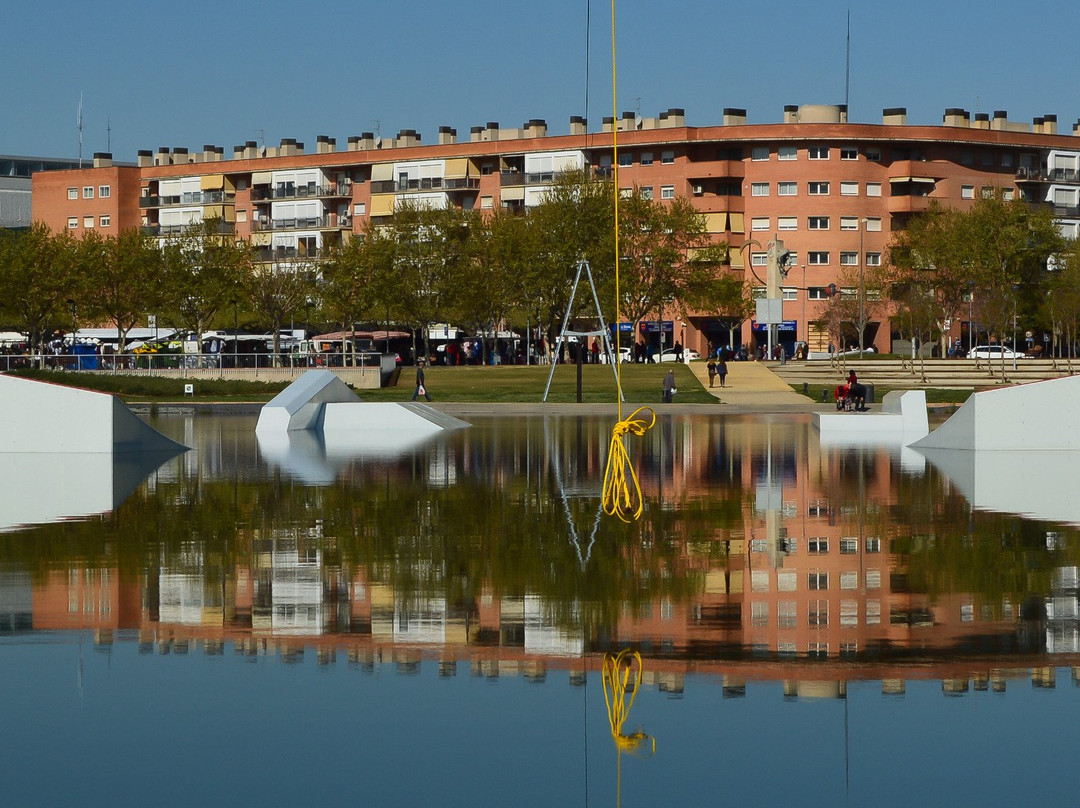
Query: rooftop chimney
(954, 116)
(102, 159)
(734, 116)
(578, 125)
(447, 135)
(894, 116)
(145, 158)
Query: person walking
(669, 387)
(712, 371)
(721, 371)
(421, 389)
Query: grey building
(15, 209)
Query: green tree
(277, 291)
(39, 272)
(1062, 301)
(124, 278)
(357, 278)
(206, 269)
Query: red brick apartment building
(832, 190)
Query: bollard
(805, 388)
(824, 395)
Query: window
(88, 221)
(786, 581)
(873, 224)
(759, 545)
(788, 293)
(849, 153)
(73, 222)
(817, 613)
(873, 189)
(873, 155)
(667, 157)
(73, 193)
(873, 579)
(849, 545)
(849, 189)
(104, 191)
(786, 153)
(849, 613)
(759, 223)
(849, 580)
(646, 192)
(759, 189)
(88, 192)
(759, 259)
(786, 613)
(1006, 160)
(873, 259)
(105, 221)
(487, 168)
(787, 188)
(817, 293)
(818, 152)
(646, 158)
(849, 259)
(967, 158)
(817, 580)
(760, 153)
(873, 612)
(626, 158)
(1007, 194)
(873, 545)
(987, 192)
(486, 203)
(967, 191)
(818, 544)
(759, 580)
(360, 208)
(667, 191)
(787, 223)
(818, 223)
(818, 188)
(759, 614)
(818, 258)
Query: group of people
(717, 367)
(851, 393)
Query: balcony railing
(268, 255)
(290, 191)
(189, 198)
(1030, 174)
(422, 184)
(1068, 211)
(200, 228)
(330, 222)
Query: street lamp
(862, 287)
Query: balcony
(198, 228)
(511, 178)
(462, 184)
(1070, 175)
(190, 198)
(1028, 174)
(717, 169)
(422, 184)
(330, 222)
(908, 204)
(1067, 211)
(290, 191)
(268, 255)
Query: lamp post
(235, 335)
(805, 324)
(862, 287)
(971, 300)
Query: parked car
(999, 352)
(669, 355)
(626, 354)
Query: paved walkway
(753, 386)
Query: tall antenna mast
(108, 134)
(847, 67)
(78, 125)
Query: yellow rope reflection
(622, 677)
(622, 492)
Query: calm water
(296, 624)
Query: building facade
(833, 191)
(16, 186)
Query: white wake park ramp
(68, 453)
(320, 402)
(1028, 417)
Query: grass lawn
(509, 383)
(934, 395)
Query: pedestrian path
(754, 386)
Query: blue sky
(225, 72)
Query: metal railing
(260, 194)
(149, 363)
(328, 222)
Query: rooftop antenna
(108, 134)
(78, 125)
(847, 66)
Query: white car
(999, 352)
(669, 355)
(626, 354)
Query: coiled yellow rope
(619, 498)
(622, 492)
(621, 675)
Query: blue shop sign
(787, 325)
(651, 326)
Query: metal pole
(862, 290)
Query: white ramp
(38, 417)
(299, 406)
(902, 418)
(1034, 416)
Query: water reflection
(761, 552)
